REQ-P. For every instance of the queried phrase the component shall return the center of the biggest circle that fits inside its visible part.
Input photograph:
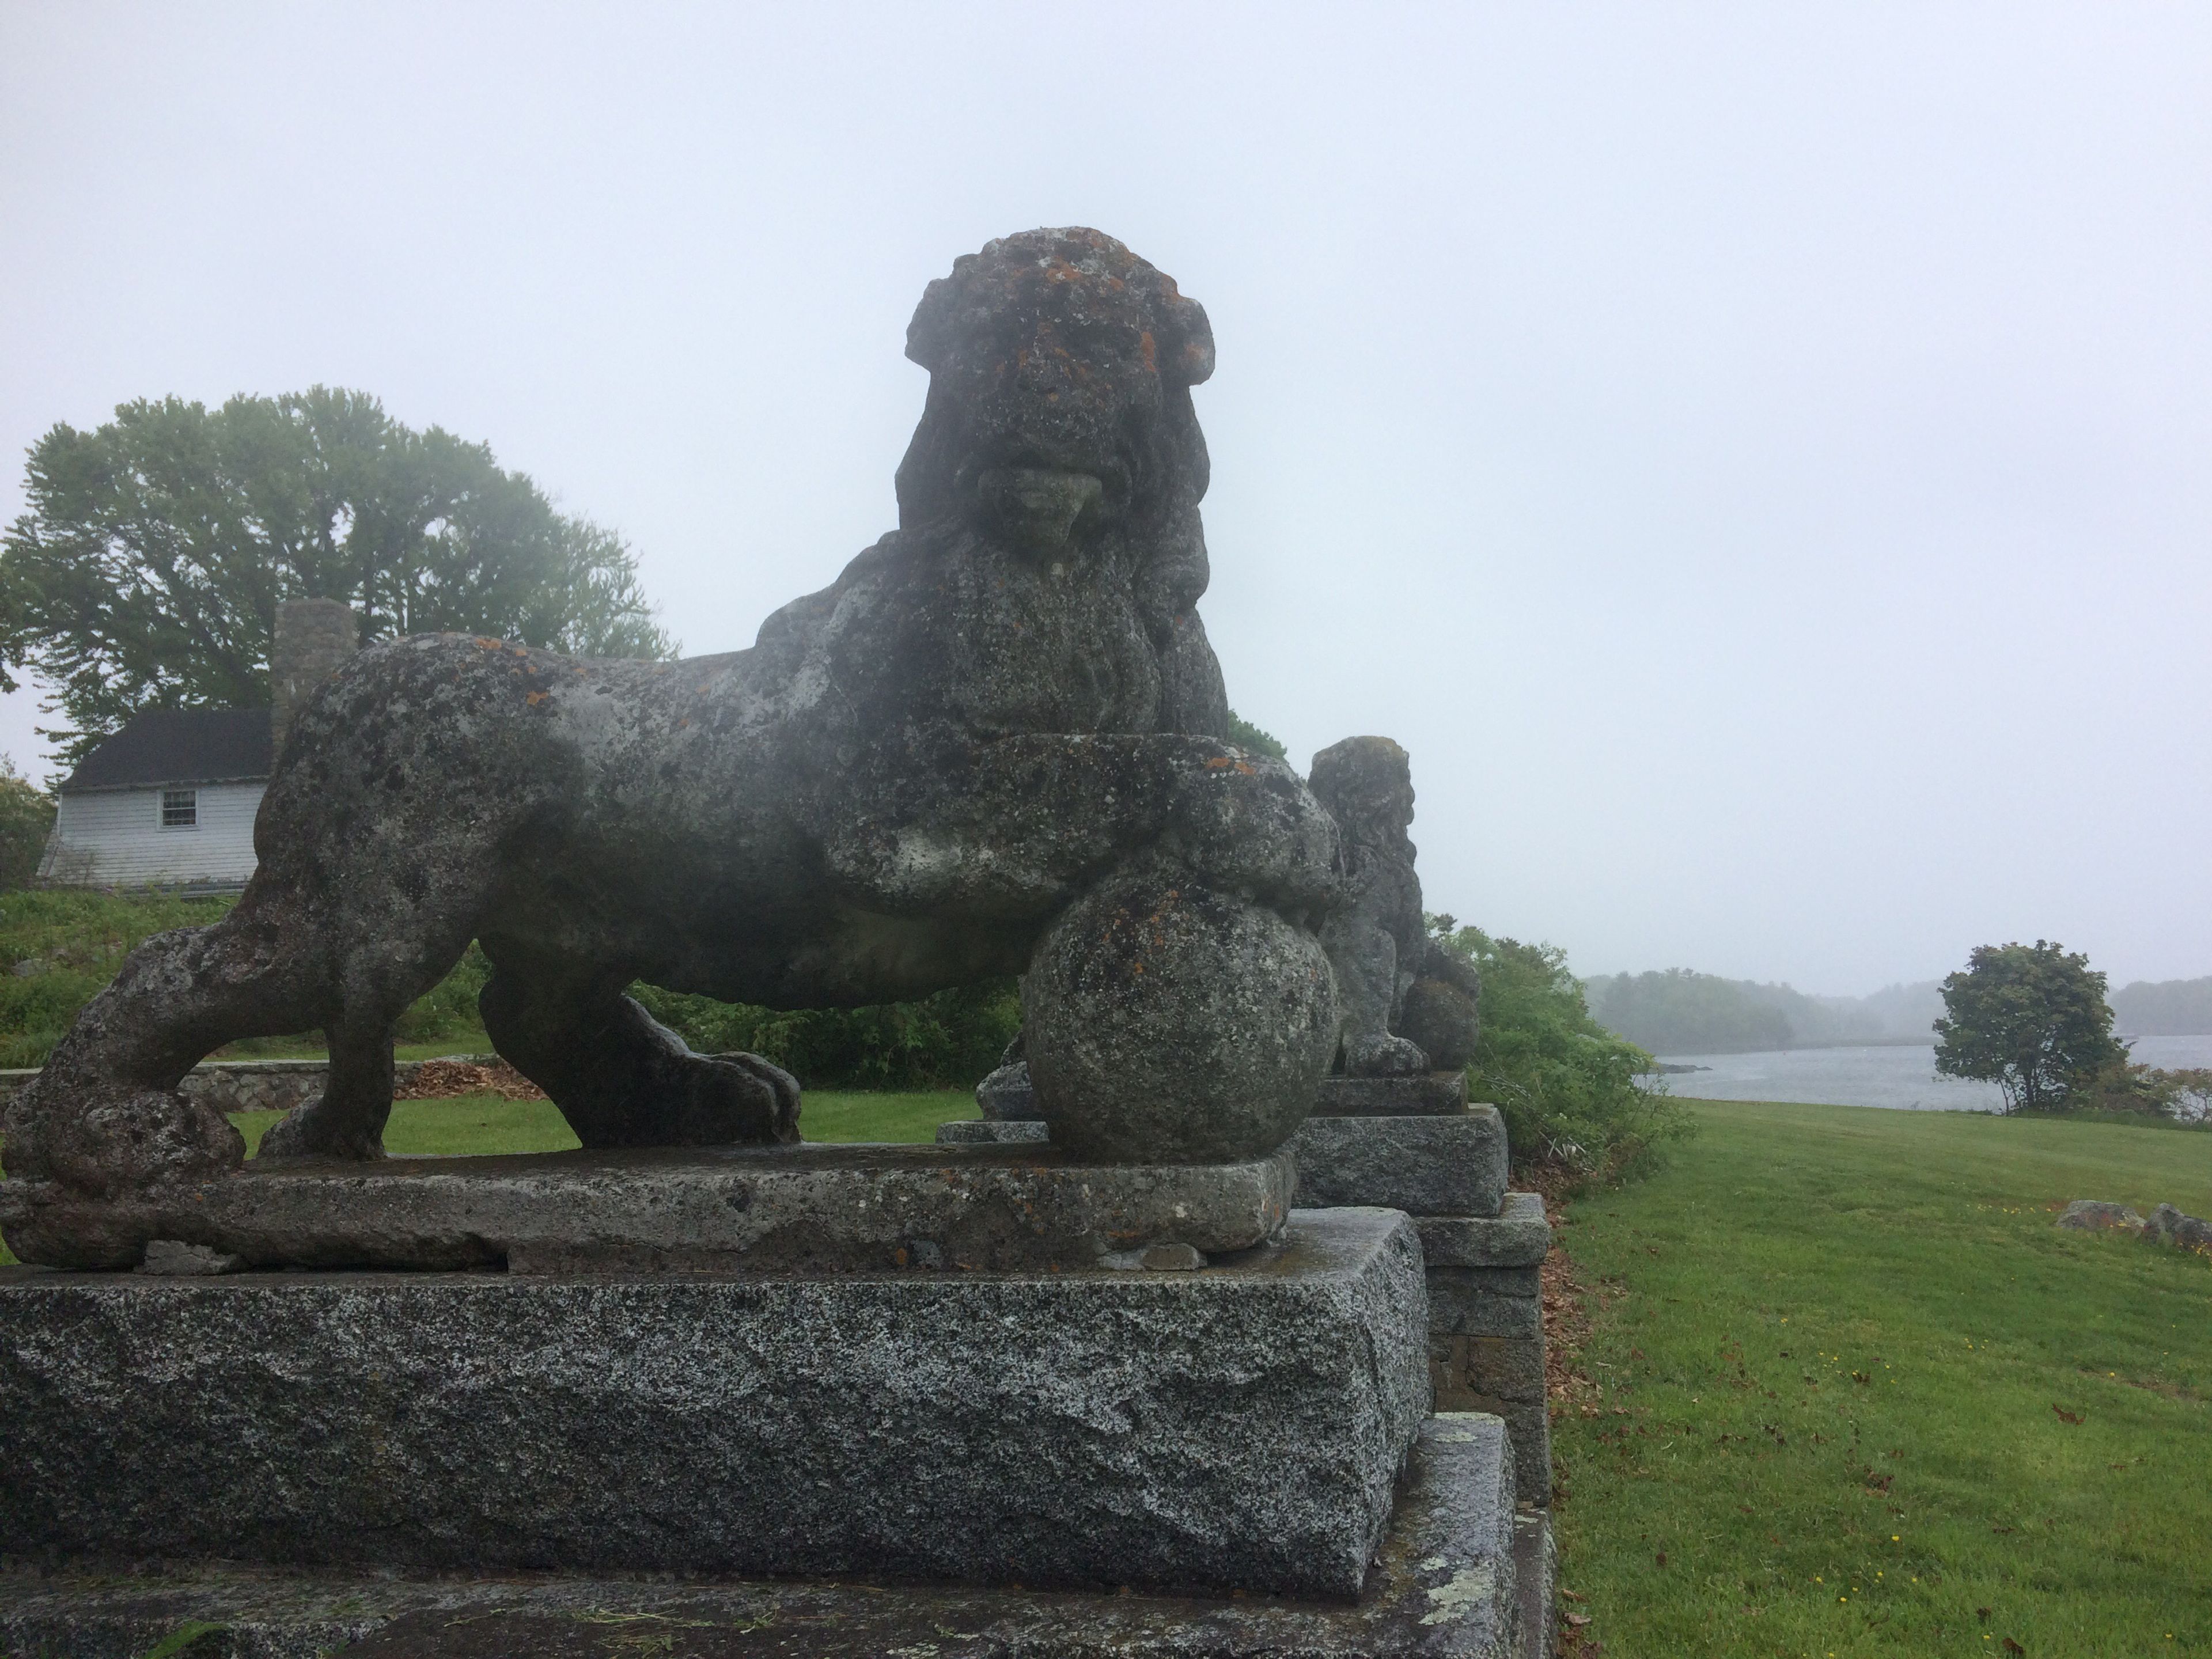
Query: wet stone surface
(818, 1208)
(1447, 1584)
(1425, 1166)
(1429, 1094)
(1518, 1236)
(1235, 1425)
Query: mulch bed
(449, 1080)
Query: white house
(167, 801)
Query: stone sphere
(1165, 1022)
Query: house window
(180, 809)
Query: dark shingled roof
(179, 745)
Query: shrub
(69, 943)
(1573, 1095)
(2123, 1088)
(946, 1041)
(26, 817)
(449, 1008)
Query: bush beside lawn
(1833, 1385)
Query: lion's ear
(1190, 357)
(925, 335)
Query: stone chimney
(314, 637)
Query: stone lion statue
(1404, 1003)
(994, 744)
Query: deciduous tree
(148, 571)
(26, 817)
(2032, 1020)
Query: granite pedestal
(1456, 1577)
(1484, 1247)
(1235, 1427)
(1427, 1165)
(1427, 1094)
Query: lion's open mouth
(1036, 508)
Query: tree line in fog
(1679, 1010)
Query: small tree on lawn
(2032, 1019)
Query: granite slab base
(1433, 1166)
(1518, 1236)
(1536, 1577)
(1447, 1584)
(1235, 1427)
(672, 1210)
(1429, 1094)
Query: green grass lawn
(485, 1123)
(1855, 1388)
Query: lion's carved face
(1060, 365)
(1050, 557)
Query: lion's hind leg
(619, 1075)
(106, 1113)
(347, 1119)
(380, 981)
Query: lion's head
(1059, 427)
(1059, 367)
(1049, 557)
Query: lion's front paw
(1383, 1056)
(782, 1121)
(731, 1099)
(1245, 824)
(310, 1131)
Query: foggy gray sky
(1759, 459)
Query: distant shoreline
(1671, 1063)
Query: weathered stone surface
(1236, 1427)
(1447, 1584)
(983, 1131)
(1428, 1094)
(1505, 1377)
(2093, 1215)
(1379, 935)
(1494, 1367)
(1442, 1011)
(169, 1255)
(1158, 1013)
(255, 1085)
(1518, 1236)
(1536, 1574)
(1453, 1166)
(2168, 1225)
(1170, 1258)
(1485, 1301)
(907, 780)
(1407, 1004)
(1006, 1096)
(821, 1208)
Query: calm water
(1902, 1077)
